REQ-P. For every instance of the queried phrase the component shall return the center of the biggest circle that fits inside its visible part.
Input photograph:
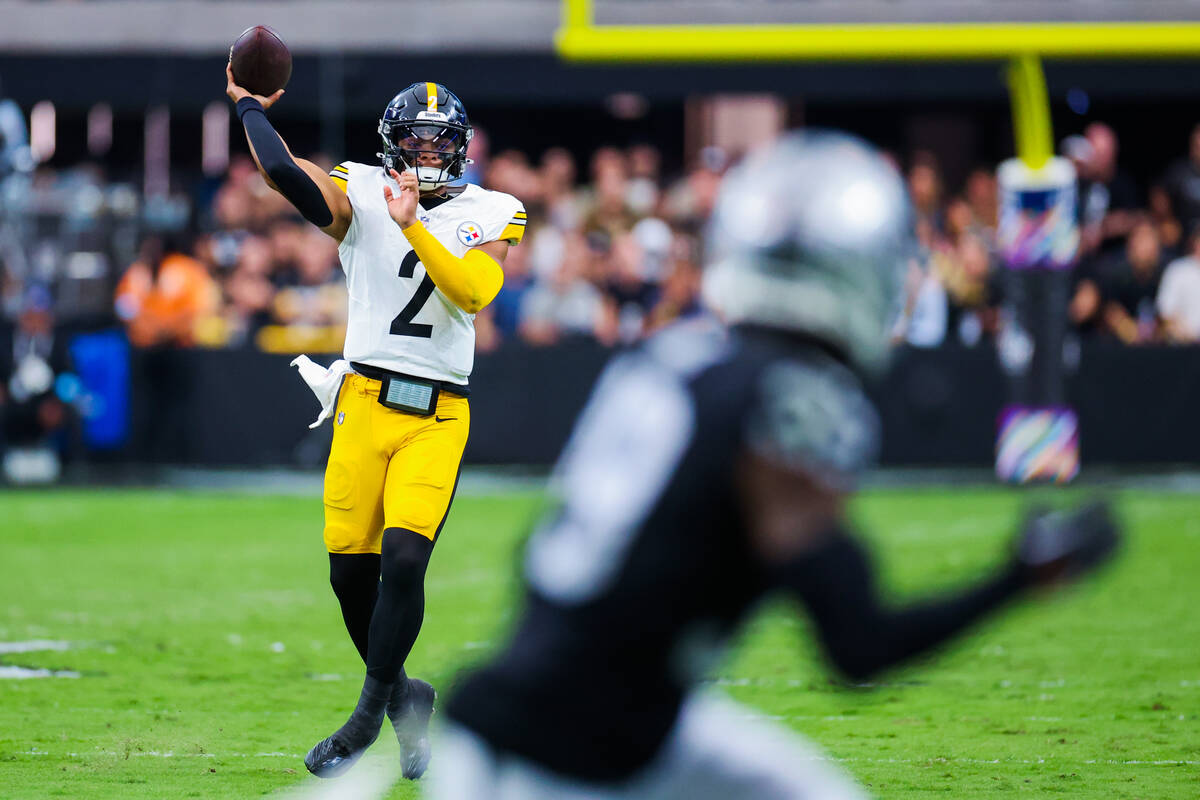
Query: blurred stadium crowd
(612, 252)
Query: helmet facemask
(443, 143)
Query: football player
(712, 468)
(421, 257)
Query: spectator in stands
(32, 357)
(1109, 200)
(972, 287)
(1129, 287)
(248, 291)
(506, 308)
(630, 290)
(1182, 184)
(315, 294)
(679, 296)
(562, 207)
(510, 172)
(923, 319)
(287, 240)
(610, 213)
(1178, 298)
(1162, 215)
(15, 155)
(925, 188)
(568, 304)
(689, 202)
(642, 192)
(1083, 311)
(478, 152)
(163, 295)
(982, 197)
(959, 221)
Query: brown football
(261, 61)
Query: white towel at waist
(323, 382)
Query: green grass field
(210, 653)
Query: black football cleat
(411, 723)
(335, 754)
(331, 757)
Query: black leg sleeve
(355, 581)
(401, 605)
(861, 637)
(293, 182)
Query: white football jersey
(398, 319)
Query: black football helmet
(426, 118)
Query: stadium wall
(1137, 406)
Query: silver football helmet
(811, 234)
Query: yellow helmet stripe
(431, 96)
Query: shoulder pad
(514, 229)
(687, 347)
(507, 218)
(813, 416)
(341, 175)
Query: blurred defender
(421, 258)
(712, 468)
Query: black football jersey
(642, 572)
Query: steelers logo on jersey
(470, 234)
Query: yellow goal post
(581, 39)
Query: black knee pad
(405, 556)
(350, 573)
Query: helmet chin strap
(430, 178)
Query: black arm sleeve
(292, 181)
(861, 637)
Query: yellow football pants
(389, 469)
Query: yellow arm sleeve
(471, 282)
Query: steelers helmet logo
(470, 234)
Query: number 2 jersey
(398, 319)
(645, 569)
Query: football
(261, 62)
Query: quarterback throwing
(421, 257)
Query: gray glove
(1058, 545)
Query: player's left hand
(402, 205)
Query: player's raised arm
(303, 183)
(798, 530)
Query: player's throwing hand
(402, 205)
(235, 92)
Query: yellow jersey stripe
(513, 233)
(342, 183)
(339, 170)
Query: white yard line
(837, 760)
(15, 673)
(12, 673)
(34, 646)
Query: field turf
(209, 655)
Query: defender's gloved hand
(1061, 545)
